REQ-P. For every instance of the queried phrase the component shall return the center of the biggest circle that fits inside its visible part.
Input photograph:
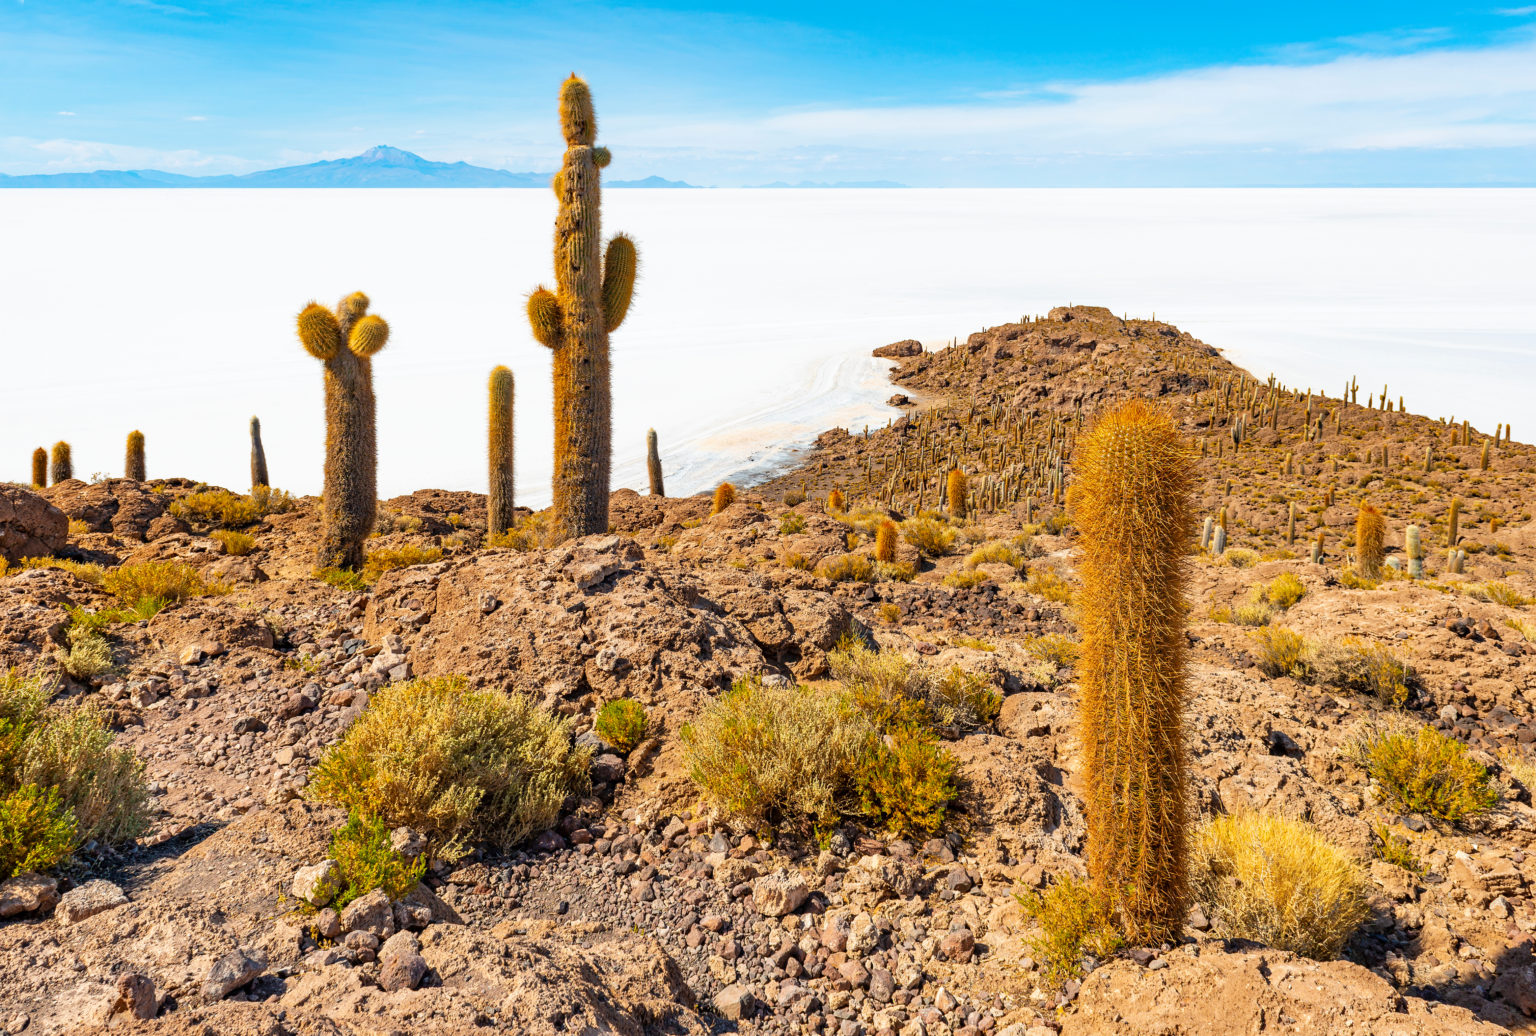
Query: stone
(957, 945)
(318, 883)
(370, 913)
(403, 970)
(135, 998)
(1518, 986)
(400, 942)
(231, 972)
(88, 900)
(734, 1002)
(327, 923)
(408, 843)
(29, 525)
(782, 892)
(863, 936)
(28, 894)
(881, 985)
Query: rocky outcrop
(29, 525)
(119, 506)
(899, 350)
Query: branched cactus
(592, 293)
(40, 467)
(955, 492)
(1370, 541)
(346, 342)
(258, 456)
(653, 464)
(499, 513)
(63, 466)
(725, 496)
(133, 459)
(1133, 508)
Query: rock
(88, 900)
(881, 985)
(402, 971)
(318, 883)
(135, 998)
(408, 843)
(327, 923)
(28, 894)
(607, 769)
(863, 936)
(400, 942)
(1518, 986)
(231, 972)
(29, 525)
(779, 893)
(370, 913)
(957, 945)
(899, 350)
(734, 1002)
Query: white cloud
(1517, 12)
(195, 118)
(19, 155)
(64, 113)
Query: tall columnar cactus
(1415, 551)
(63, 466)
(499, 512)
(955, 492)
(653, 464)
(1453, 520)
(1133, 509)
(1370, 541)
(258, 456)
(591, 296)
(1290, 526)
(346, 341)
(133, 458)
(39, 467)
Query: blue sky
(942, 94)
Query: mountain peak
(383, 154)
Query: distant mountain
(377, 167)
(777, 184)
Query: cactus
(885, 541)
(592, 294)
(1317, 548)
(1133, 509)
(1483, 464)
(346, 342)
(499, 512)
(725, 496)
(955, 492)
(653, 464)
(133, 460)
(1429, 458)
(1205, 533)
(836, 502)
(1415, 551)
(1453, 520)
(1458, 561)
(63, 466)
(39, 467)
(258, 456)
(1290, 527)
(1370, 541)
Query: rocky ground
(638, 914)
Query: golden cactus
(133, 459)
(725, 496)
(1134, 511)
(1370, 541)
(40, 467)
(885, 541)
(653, 464)
(591, 297)
(258, 456)
(63, 466)
(499, 510)
(836, 502)
(346, 341)
(1453, 519)
(955, 492)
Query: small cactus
(258, 456)
(1317, 548)
(836, 502)
(63, 467)
(346, 341)
(40, 467)
(133, 460)
(885, 541)
(499, 511)
(1290, 527)
(1483, 464)
(1205, 533)
(725, 496)
(653, 464)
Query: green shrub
(1277, 882)
(895, 693)
(1285, 590)
(231, 510)
(964, 699)
(362, 850)
(1057, 648)
(341, 578)
(932, 537)
(1426, 772)
(454, 763)
(790, 523)
(88, 655)
(995, 553)
(846, 568)
(907, 781)
(387, 559)
(1075, 921)
(37, 831)
(236, 544)
(622, 723)
(169, 581)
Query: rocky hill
(639, 912)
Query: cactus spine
(653, 464)
(133, 460)
(725, 496)
(346, 342)
(1454, 520)
(1134, 511)
(39, 467)
(1370, 541)
(885, 541)
(592, 294)
(258, 456)
(63, 466)
(499, 512)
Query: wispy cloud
(63, 155)
(195, 118)
(1517, 12)
(65, 113)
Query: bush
(1057, 648)
(368, 861)
(995, 553)
(1282, 652)
(790, 523)
(1048, 583)
(966, 579)
(931, 537)
(894, 571)
(846, 568)
(231, 510)
(1365, 667)
(1240, 557)
(1277, 882)
(81, 570)
(908, 781)
(454, 763)
(386, 559)
(1499, 593)
(58, 765)
(771, 757)
(895, 694)
(88, 656)
(622, 724)
(960, 698)
(1285, 590)
(1393, 848)
(236, 544)
(170, 581)
(1075, 921)
(1426, 772)
(341, 578)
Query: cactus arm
(319, 331)
(578, 119)
(369, 335)
(620, 264)
(544, 317)
(602, 156)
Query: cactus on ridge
(653, 464)
(1370, 541)
(133, 459)
(258, 456)
(500, 513)
(40, 467)
(63, 467)
(725, 496)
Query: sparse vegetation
(166, 581)
(932, 538)
(1281, 652)
(387, 559)
(622, 723)
(367, 860)
(236, 544)
(1424, 771)
(907, 782)
(790, 523)
(1048, 583)
(846, 568)
(1075, 922)
(228, 510)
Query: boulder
(318, 883)
(30, 526)
(231, 972)
(119, 506)
(90, 899)
(370, 913)
(28, 894)
(782, 892)
(402, 971)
